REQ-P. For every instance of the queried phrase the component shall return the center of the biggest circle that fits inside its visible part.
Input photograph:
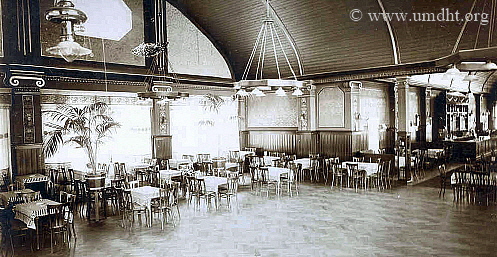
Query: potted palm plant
(87, 127)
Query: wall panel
(278, 141)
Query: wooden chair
(231, 189)
(442, 171)
(57, 225)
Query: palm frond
(212, 102)
(52, 143)
(98, 107)
(104, 128)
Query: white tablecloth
(144, 195)
(168, 174)
(268, 160)
(370, 168)
(434, 153)
(212, 182)
(306, 162)
(12, 196)
(488, 179)
(28, 212)
(139, 166)
(174, 163)
(32, 178)
(245, 153)
(274, 173)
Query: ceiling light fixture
(65, 14)
(268, 38)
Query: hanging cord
(105, 65)
(271, 28)
(456, 45)
(479, 26)
(252, 55)
(492, 20)
(286, 57)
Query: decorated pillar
(402, 124)
(161, 133)
(26, 122)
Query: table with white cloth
(139, 166)
(212, 183)
(31, 178)
(370, 168)
(245, 153)
(175, 163)
(274, 173)
(306, 162)
(9, 197)
(144, 196)
(268, 160)
(434, 153)
(30, 212)
(169, 174)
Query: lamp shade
(69, 50)
(280, 92)
(297, 92)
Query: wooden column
(402, 124)
(161, 135)
(424, 106)
(242, 122)
(26, 123)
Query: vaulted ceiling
(329, 41)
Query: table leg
(37, 234)
(97, 206)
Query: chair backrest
(56, 215)
(352, 168)
(203, 157)
(442, 170)
(117, 183)
(132, 184)
(357, 159)
(233, 183)
(233, 156)
(188, 157)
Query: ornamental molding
(22, 78)
(95, 81)
(377, 75)
(88, 99)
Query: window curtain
(4, 139)
(196, 129)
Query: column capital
(402, 82)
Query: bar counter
(474, 149)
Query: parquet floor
(407, 221)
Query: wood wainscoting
(342, 144)
(275, 141)
(28, 159)
(329, 143)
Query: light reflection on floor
(408, 221)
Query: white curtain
(129, 143)
(196, 130)
(4, 139)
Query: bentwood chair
(57, 225)
(442, 171)
(231, 189)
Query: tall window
(129, 143)
(196, 129)
(4, 139)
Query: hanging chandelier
(157, 89)
(65, 14)
(268, 37)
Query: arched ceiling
(326, 37)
